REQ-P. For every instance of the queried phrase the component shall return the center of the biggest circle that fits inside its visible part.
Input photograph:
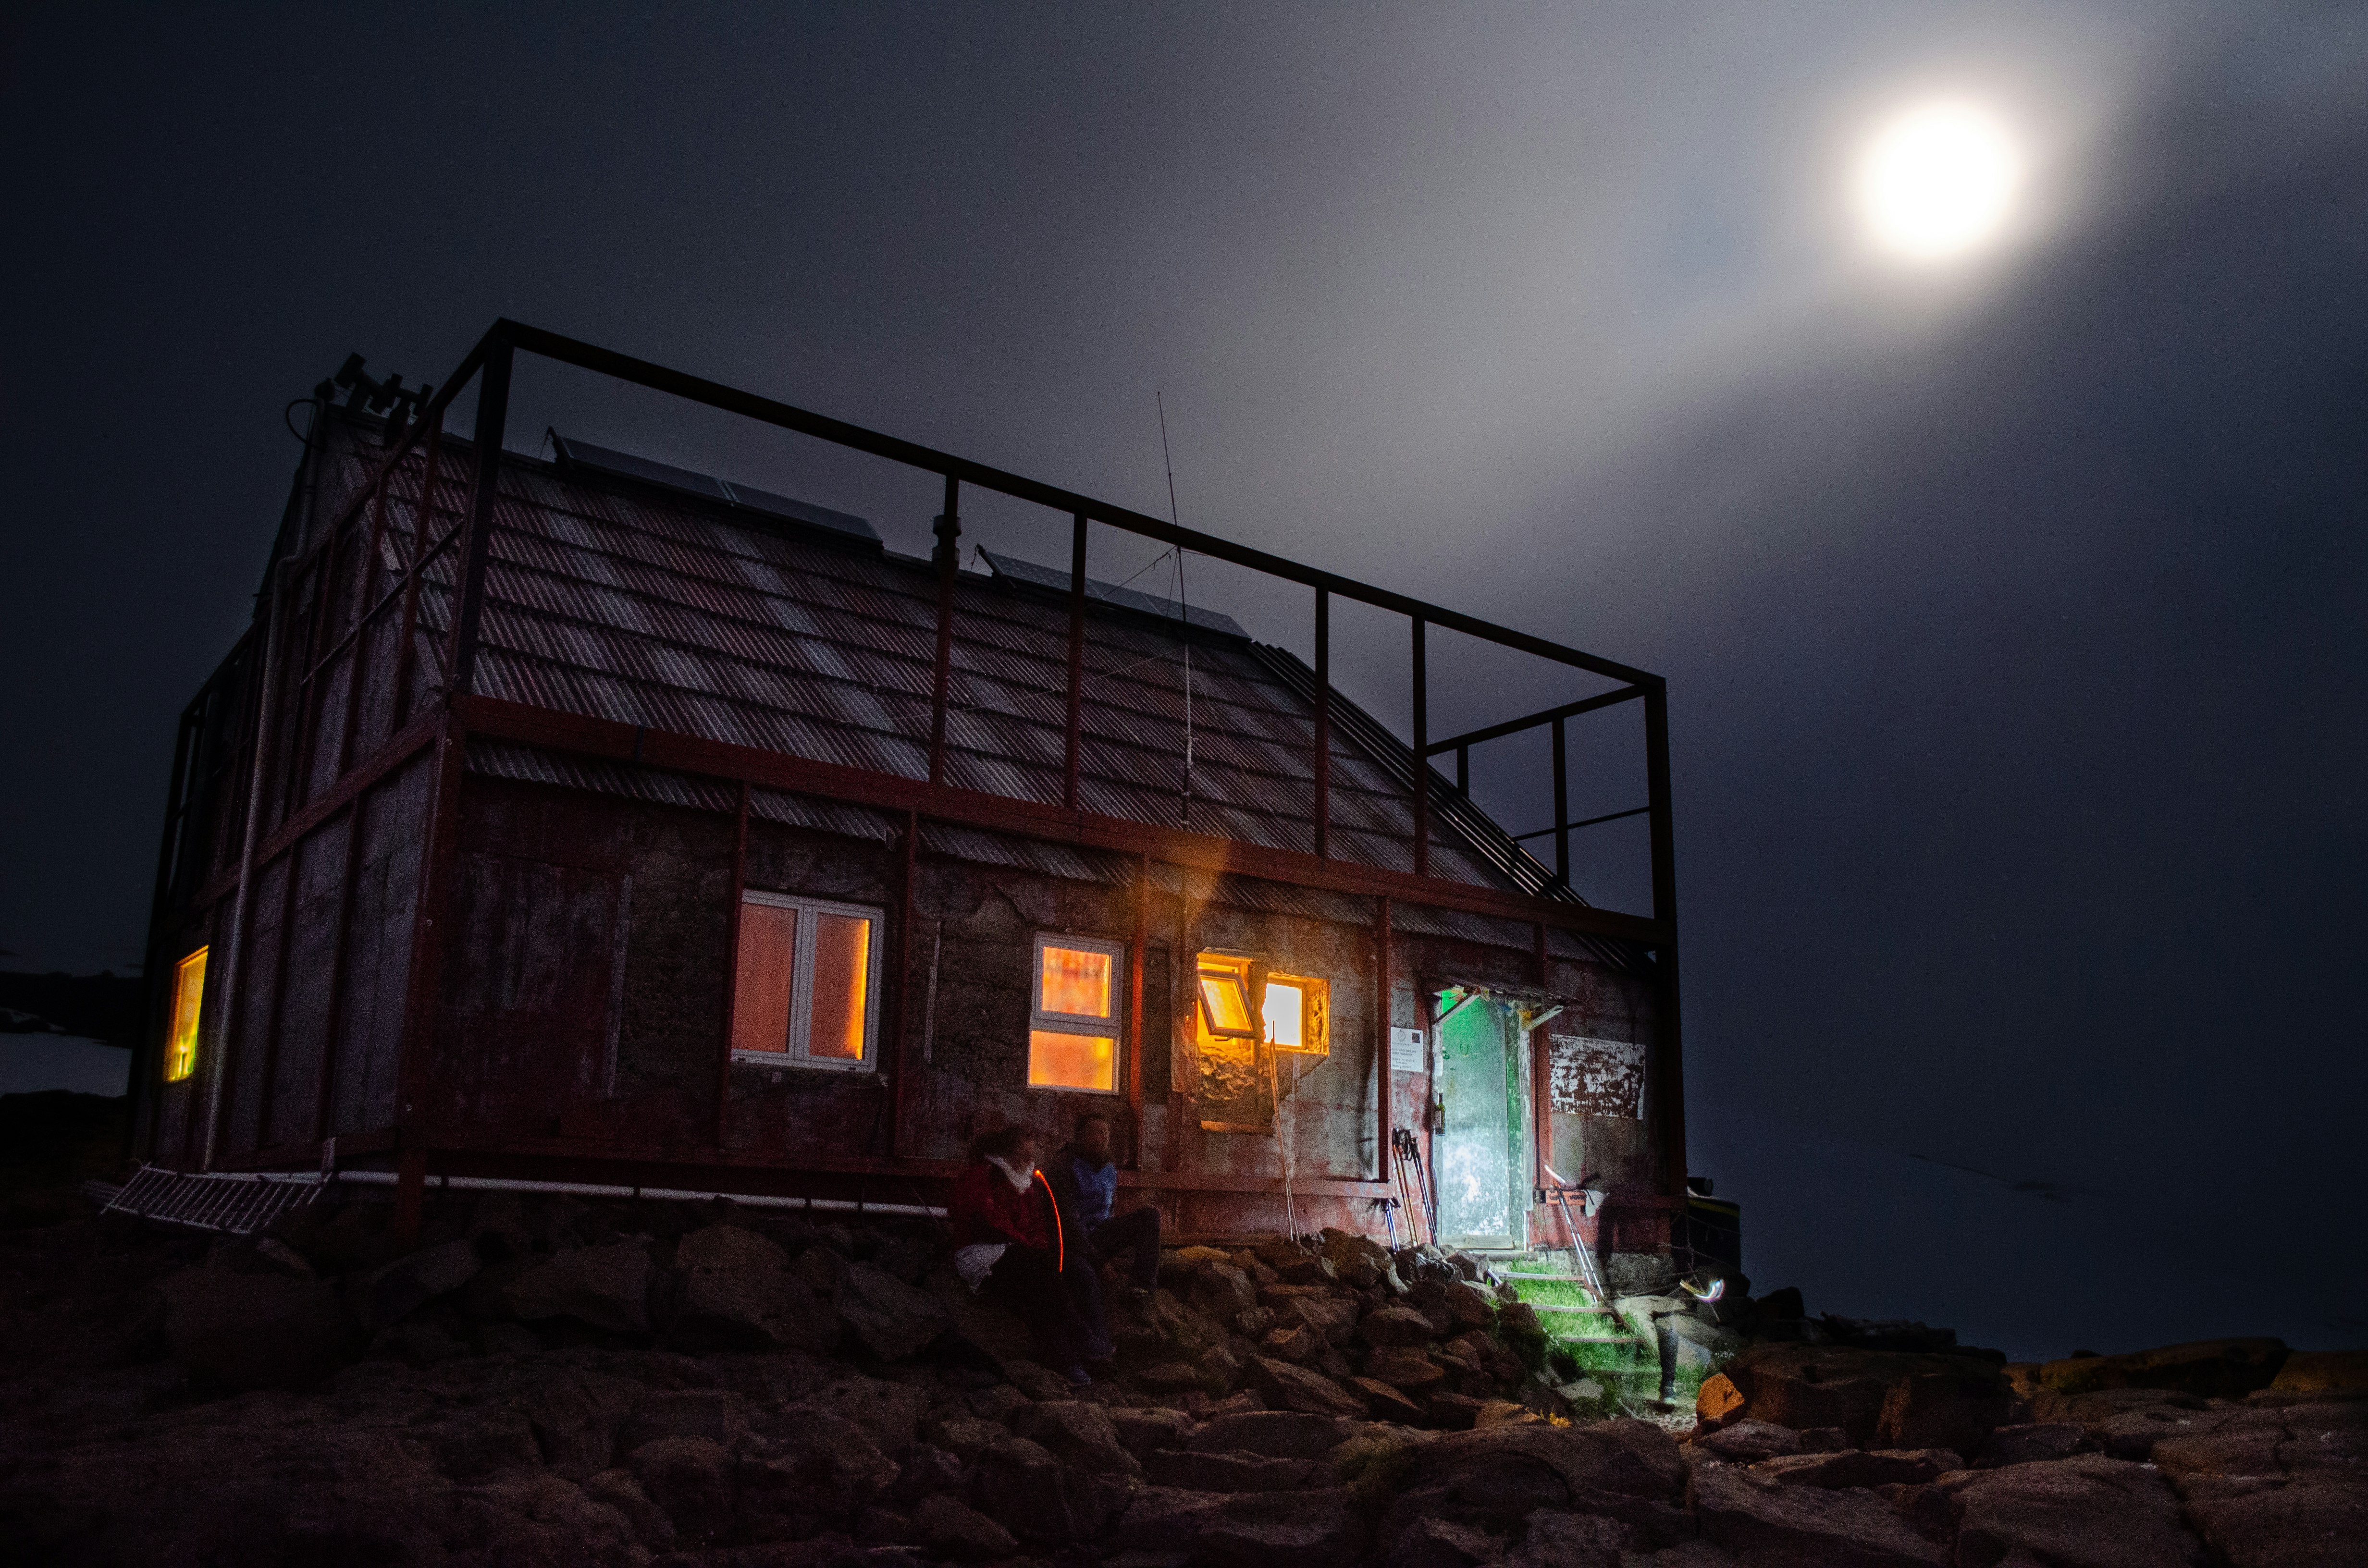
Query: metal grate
(240, 1203)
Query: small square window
(188, 1002)
(804, 987)
(1072, 1015)
(1298, 1010)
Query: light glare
(1938, 180)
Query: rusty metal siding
(378, 951)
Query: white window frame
(802, 983)
(1111, 1027)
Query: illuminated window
(188, 999)
(1073, 1014)
(804, 989)
(1298, 1011)
(1225, 1011)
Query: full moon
(1939, 181)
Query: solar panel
(1035, 576)
(573, 453)
(798, 511)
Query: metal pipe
(947, 527)
(1421, 756)
(469, 592)
(662, 1194)
(1515, 726)
(1077, 662)
(731, 962)
(1323, 724)
(1562, 801)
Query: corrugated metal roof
(645, 606)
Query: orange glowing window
(802, 988)
(1224, 981)
(1072, 1006)
(189, 1001)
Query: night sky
(2012, 608)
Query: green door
(1480, 1154)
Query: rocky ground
(543, 1381)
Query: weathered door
(1481, 1151)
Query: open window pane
(1075, 982)
(760, 1002)
(188, 1000)
(842, 984)
(1225, 997)
(1299, 1015)
(1058, 1059)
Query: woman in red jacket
(1012, 1242)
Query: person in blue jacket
(1085, 1178)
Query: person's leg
(1139, 1231)
(1025, 1281)
(1081, 1282)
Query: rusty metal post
(1665, 1034)
(908, 912)
(732, 963)
(947, 527)
(1560, 805)
(1381, 1030)
(476, 545)
(1077, 661)
(422, 517)
(1323, 725)
(325, 1109)
(1134, 1042)
(1421, 757)
(364, 611)
(439, 857)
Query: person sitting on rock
(1085, 1179)
(1011, 1243)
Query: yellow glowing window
(1299, 1014)
(188, 999)
(1072, 1006)
(1225, 982)
(803, 987)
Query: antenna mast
(1183, 604)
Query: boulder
(893, 1319)
(1256, 1324)
(2278, 1481)
(2323, 1371)
(606, 1287)
(2126, 1423)
(1335, 1319)
(2212, 1368)
(1760, 1516)
(1403, 1367)
(720, 1418)
(1169, 1377)
(1944, 1401)
(1298, 1343)
(1021, 1486)
(1296, 1388)
(926, 1468)
(1249, 1529)
(737, 1293)
(1231, 1471)
(1357, 1261)
(691, 1479)
(1858, 1467)
(1220, 1291)
(952, 1529)
(1502, 1412)
(253, 1331)
(1491, 1480)
(1384, 1402)
(1395, 1326)
(1272, 1433)
(1141, 1431)
(1580, 1541)
(966, 1436)
(1948, 1407)
(1079, 1433)
(2088, 1510)
(388, 1294)
(1454, 1411)
(1439, 1543)
(1221, 1370)
(1718, 1403)
(1467, 1307)
(888, 1413)
(618, 1490)
(1748, 1442)
(2032, 1442)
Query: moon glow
(1937, 181)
